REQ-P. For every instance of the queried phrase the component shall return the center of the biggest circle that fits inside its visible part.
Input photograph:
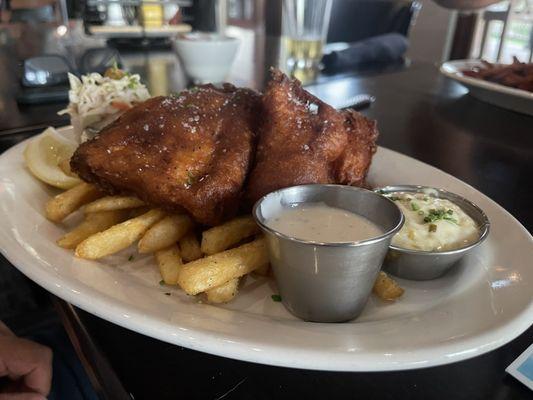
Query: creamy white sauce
(432, 224)
(321, 223)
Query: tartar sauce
(321, 223)
(432, 224)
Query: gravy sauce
(319, 222)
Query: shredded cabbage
(96, 100)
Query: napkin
(380, 49)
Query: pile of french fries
(214, 265)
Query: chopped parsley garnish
(191, 179)
(133, 83)
(441, 213)
(432, 228)
(414, 206)
(131, 257)
(161, 282)
(276, 298)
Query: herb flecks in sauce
(435, 215)
(432, 223)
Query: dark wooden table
(420, 114)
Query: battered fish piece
(191, 152)
(303, 141)
(353, 164)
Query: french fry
(217, 269)
(117, 237)
(62, 205)
(169, 261)
(165, 233)
(387, 288)
(93, 223)
(221, 237)
(223, 293)
(109, 203)
(190, 247)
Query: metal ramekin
(327, 282)
(425, 265)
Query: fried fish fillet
(352, 166)
(191, 152)
(303, 140)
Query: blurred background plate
(503, 96)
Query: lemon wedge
(47, 157)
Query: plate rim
(214, 343)
(451, 70)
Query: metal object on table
(46, 70)
(357, 102)
(45, 78)
(327, 282)
(53, 69)
(426, 265)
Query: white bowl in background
(206, 57)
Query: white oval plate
(481, 304)
(500, 95)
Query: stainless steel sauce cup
(327, 282)
(422, 265)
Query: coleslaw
(95, 100)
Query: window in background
(505, 30)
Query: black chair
(354, 20)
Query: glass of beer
(305, 26)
